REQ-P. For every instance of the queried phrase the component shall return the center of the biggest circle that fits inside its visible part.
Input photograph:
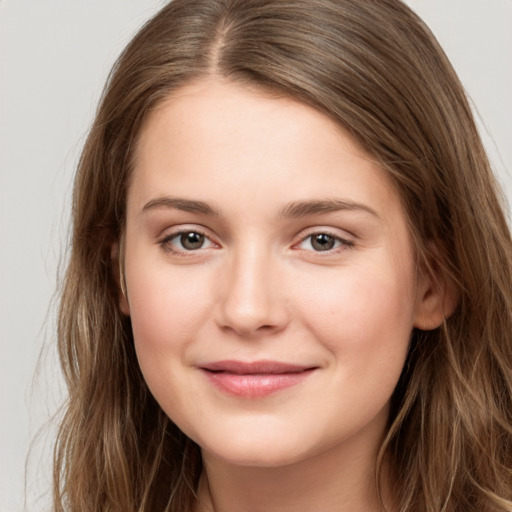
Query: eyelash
(339, 243)
(167, 245)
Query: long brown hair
(375, 68)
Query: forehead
(221, 140)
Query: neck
(340, 479)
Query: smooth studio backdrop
(54, 59)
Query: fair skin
(272, 289)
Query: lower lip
(255, 385)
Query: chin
(259, 458)
(258, 450)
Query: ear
(436, 296)
(117, 269)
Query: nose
(253, 300)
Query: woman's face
(270, 277)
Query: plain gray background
(54, 58)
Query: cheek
(365, 312)
(166, 305)
(167, 309)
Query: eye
(186, 241)
(191, 241)
(322, 242)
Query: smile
(255, 379)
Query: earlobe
(117, 269)
(436, 300)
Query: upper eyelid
(172, 231)
(176, 234)
(343, 241)
(340, 234)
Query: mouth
(255, 379)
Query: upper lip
(255, 367)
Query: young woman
(290, 279)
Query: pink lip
(254, 379)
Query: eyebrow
(186, 205)
(304, 208)
(292, 210)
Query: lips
(254, 379)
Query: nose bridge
(251, 302)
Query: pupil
(322, 242)
(192, 240)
